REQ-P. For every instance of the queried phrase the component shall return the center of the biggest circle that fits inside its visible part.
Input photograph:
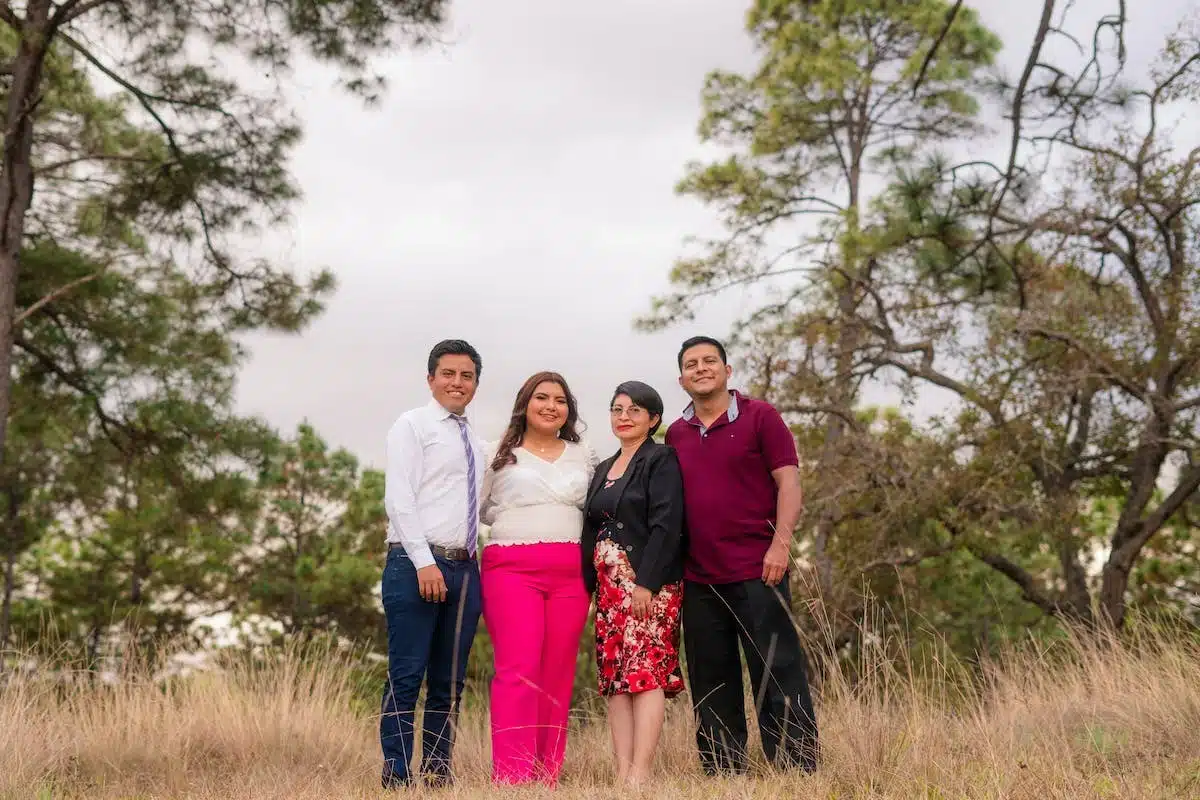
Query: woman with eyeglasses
(633, 561)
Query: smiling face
(702, 373)
(453, 382)
(548, 408)
(630, 422)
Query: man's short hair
(454, 347)
(697, 340)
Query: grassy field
(1076, 722)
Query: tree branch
(1021, 577)
(841, 413)
(56, 294)
(9, 16)
(93, 157)
(951, 14)
(907, 561)
(72, 10)
(1127, 544)
(1105, 367)
(1145, 292)
(1083, 425)
(1187, 405)
(1035, 53)
(107, 421)
(927, 373)
(146, 101)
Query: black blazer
(650, 517)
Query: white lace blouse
(535, 500)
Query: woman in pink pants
(535, 604)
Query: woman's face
(547, 410)
(630, 422)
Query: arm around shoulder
(486, 503)
(590, 457)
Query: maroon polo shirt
(729, 493)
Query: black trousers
(715, 619)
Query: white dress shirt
(426, 484)
(535, 500)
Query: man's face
(702, 373)
(453, 383)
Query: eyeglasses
(632, 411)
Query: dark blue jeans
(426, 641)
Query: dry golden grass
(1100, 722)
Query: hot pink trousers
(535, 607)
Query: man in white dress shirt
(431, 592)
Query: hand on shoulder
(589, 452)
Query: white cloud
(516, 189)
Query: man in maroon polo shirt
(742, 493)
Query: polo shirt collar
(689, 413)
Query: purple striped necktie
(472, 500)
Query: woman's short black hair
(644, 395)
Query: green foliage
(1052, 298)
(130, 286)
(40, 434)
(839, 90)
(186, 160)
(129, 379)
(843, 89)
(315, 556)
(1061, 308)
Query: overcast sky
(515, 189)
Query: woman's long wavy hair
(517, 424)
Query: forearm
(654, 561)
(412, 537)
(788, 507)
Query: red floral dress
(632, 655)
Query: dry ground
(1116, 722)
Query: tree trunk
(835, 429)
(1133, 527)
(1077, 598)
(843, 381)
(93, 651)
(1114, 581)
(133, 622)
(10, 563)
(16, 182)
(1076, 595)
(12, 541)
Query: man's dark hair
(642, 394)
(454, 347)
(695, 340)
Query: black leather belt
(448, 553)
